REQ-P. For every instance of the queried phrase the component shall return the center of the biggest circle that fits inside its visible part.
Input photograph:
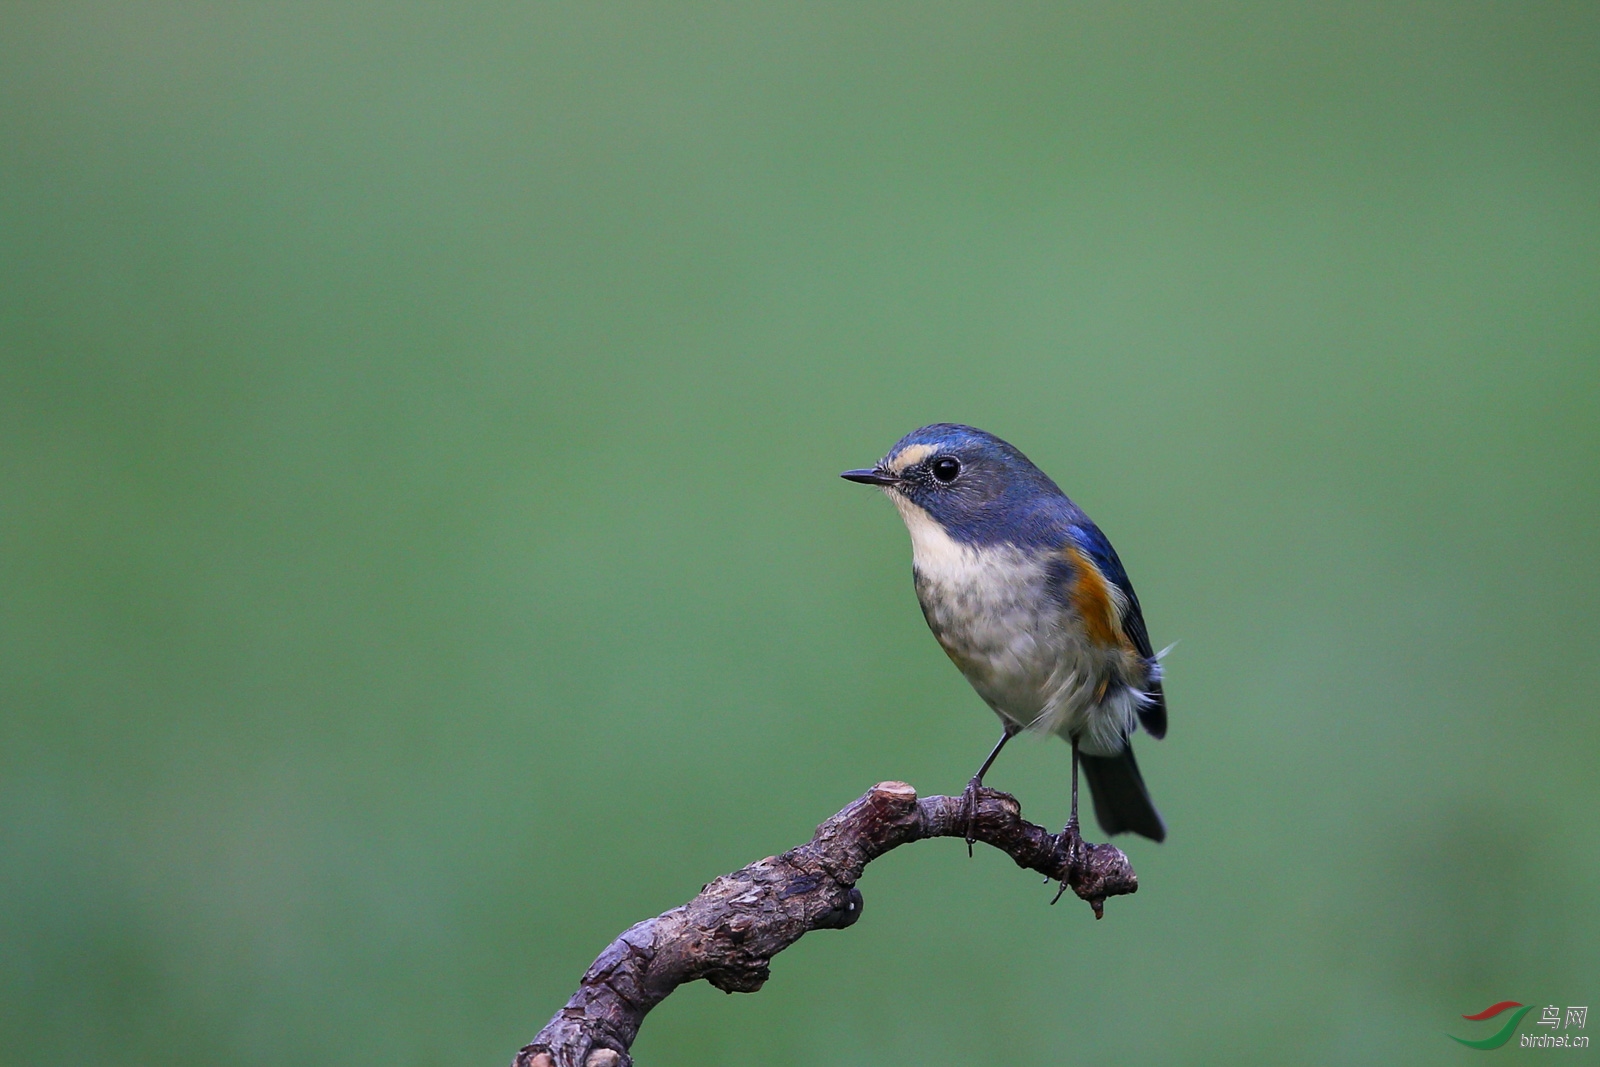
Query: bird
(1030, 601)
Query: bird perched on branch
(1029, 600)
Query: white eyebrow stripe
(910, 455)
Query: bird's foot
(1071, 841)
(969, 809)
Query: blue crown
(979, 489)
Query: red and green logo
(1501, 1036)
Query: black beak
(870, 477)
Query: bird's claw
(1072, 841)
(969, 810)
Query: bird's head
(976, 487)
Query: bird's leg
(969, 799)
(1072, 818)
(1069, 835)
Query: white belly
(1026, 655)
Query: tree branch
(729, 933)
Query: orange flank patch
(1091, 595)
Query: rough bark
(729, 933)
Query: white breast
(1027, 658)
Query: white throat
(933, 551)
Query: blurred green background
(422, 556)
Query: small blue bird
(1029, 599)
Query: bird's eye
(945, 469)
